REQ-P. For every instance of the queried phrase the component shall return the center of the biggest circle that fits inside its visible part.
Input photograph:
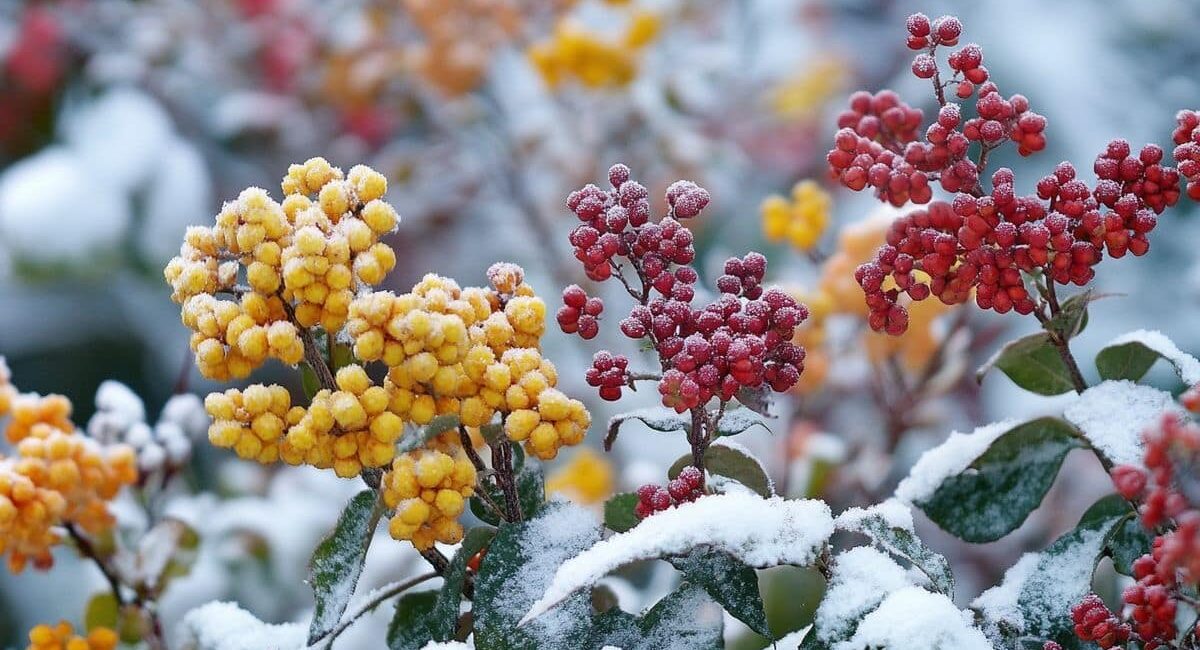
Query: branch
(312, 355)
(377, 597)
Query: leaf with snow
(1130, 541)
(730, 582)
(737, 420)
(982, 486)
(914, 618)
(1113, 415)
(225, 626)
(685, 619)
(861, 578)
(731, 460)
(665, 420)
(519, 566)
(619, 512)
(436, 427)
(338, 561)
(759, 532)
(1063, 573)
(1130, 356)
(531, 491)
(890, 527)
(445, 609)
(1033, 363)
(412, 624)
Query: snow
(178, 195)
(948, 459)
(186, 411)
(862, 578)
(1060, 581)
(225, 626)
(1113, 415)
(915, 618)
(448, 645)
(893, 512)
(1185, 364)
(760, 532)
(999, 605)
(122, 135)
(53, 192)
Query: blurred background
(122, 122)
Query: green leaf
(672, 621)
(1129, 542)
(1072, 317)
(619, 515)
(658, 418)
(1003, 485)
(1130, 361)
(531, 492)
(492, 432)
(410, 626)
(343, 355)
(736, 421)
(444, 617)
(309, 381)
(338, 561)
(102, 611)
(903, 544)
(730, 462)
(518, 568)
(436, 427)
(730, 582)
(1063, 575)
(1033, 363)
(756, 399)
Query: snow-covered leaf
(445, 610)
(225, 626)
(1062, 575)
(1113, 415)
(619, 515)
(412, 624)
(736, 421)
(728, 459)
(657, 418)
(517, 569)
(166, 551)
(756, 399)
(996, 477)
(861, 578)
(1130, 356)
(730, 582)
(436, 427)
(914, 618)
(890, 527)
(759, 532)
(338, 561)
(685, 619)
(1033, 363)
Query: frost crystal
(760, 532)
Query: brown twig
(154, 639)
(312, 354)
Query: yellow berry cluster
(539, 415)
(427, 490)
(58, 475)
(232, 338)
(347, 429)
(801, 220)
(335, 240)
(574, 53)
(63, 637)
(459, 39)
(252, 422)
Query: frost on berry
(743, 338)
(686, 487)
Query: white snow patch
(225, 626)
(948, 459)
(122, 135)
(1185, 364)
(448, 645)
(862, 578)
(1114, 414)
(760, 532)
(998, 605)
(915, 618)
(894, 512)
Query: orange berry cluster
(427, 490)
(58, 476)
(63, 637)
(252, 422)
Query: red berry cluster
(579, 313)
(1151, 600)
(868, 148)
(1190, 399)
(1051, 645)
(1175, 441)
(685, 488)
(1187, 150)
(1095, 622)
(741, 339)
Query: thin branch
(89, 551)
(312, 355)
(481, 470)
(383, 593)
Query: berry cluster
(1152, 600)
(163, 448)
(685, 488)
(800, 220)
(252, 422)
(428, 489)
(232, 338)
(741, 339)
(592, 60)
(579, 313)
(1187, 150)
(58, 475)
(1095, 622)
(63, 637)
(982, 242)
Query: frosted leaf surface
(1000, 605)
(947, 459)
(862, 578)
(1113, 415)
(1185, 364)
(759, 532)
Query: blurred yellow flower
(587, 478)
(802, 220)
(803, 95)
(574, 53)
